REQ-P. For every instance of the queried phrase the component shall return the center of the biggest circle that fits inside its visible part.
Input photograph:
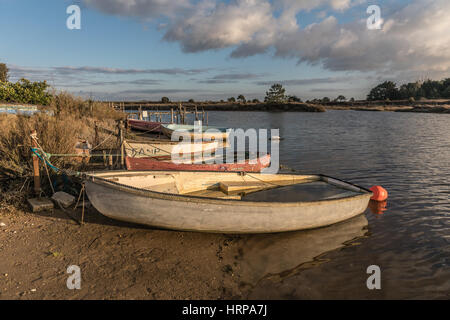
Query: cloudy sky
(214, 49)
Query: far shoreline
(423, 106)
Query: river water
(409, 155)
(406, 153)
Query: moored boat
(225, 202)
(207, 132)
(252, 164)
(154, 148)
(142, 125)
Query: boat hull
(178, 212)
(158, 149)
(148, 163)
(143, 125)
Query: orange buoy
(379, 193)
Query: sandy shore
(117, 260)
(125, 261)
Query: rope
(44, 159)
(103, 141)
(47, 162)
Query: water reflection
(282, 255)
(378, 207)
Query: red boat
(145, 125)
(159, 163)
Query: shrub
(25, 91)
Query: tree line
(429, 89)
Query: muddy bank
(395, 108)
(292, 107)
(125, 261)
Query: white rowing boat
(225, 202)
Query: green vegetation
(241, 99)
(25, 91)
(294, 99)
(429, 89)
(3, 73)
(165, 100)
(276, 94)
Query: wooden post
(196, 115)
(140, 112)
(37, 179)
(122, 159)
(104, 158)
(96, 134)
(171, 115)
(207, 118)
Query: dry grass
(64, 104)
(74, 119)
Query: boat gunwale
(162, 141)
(191, 130)
(197, 199)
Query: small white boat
(225, 202)
(207, 133)
(167, 149)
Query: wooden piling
(122, 158)
(104, 158)
(96, 134)
(110, 160)
(37, 179)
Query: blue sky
(181, 50)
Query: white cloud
(414, 39)
(222, 25)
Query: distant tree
(241, 98)
(165, 100)
(341, 98)
(326, 100)
(411, 90)
(352, 100)
(255, 100)
(432, 89)
(232, 99)
(294, 99)
(446, 92)
(384, 91)
(191, 101)
(445, 87)
(276, 94)
(4, 77)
